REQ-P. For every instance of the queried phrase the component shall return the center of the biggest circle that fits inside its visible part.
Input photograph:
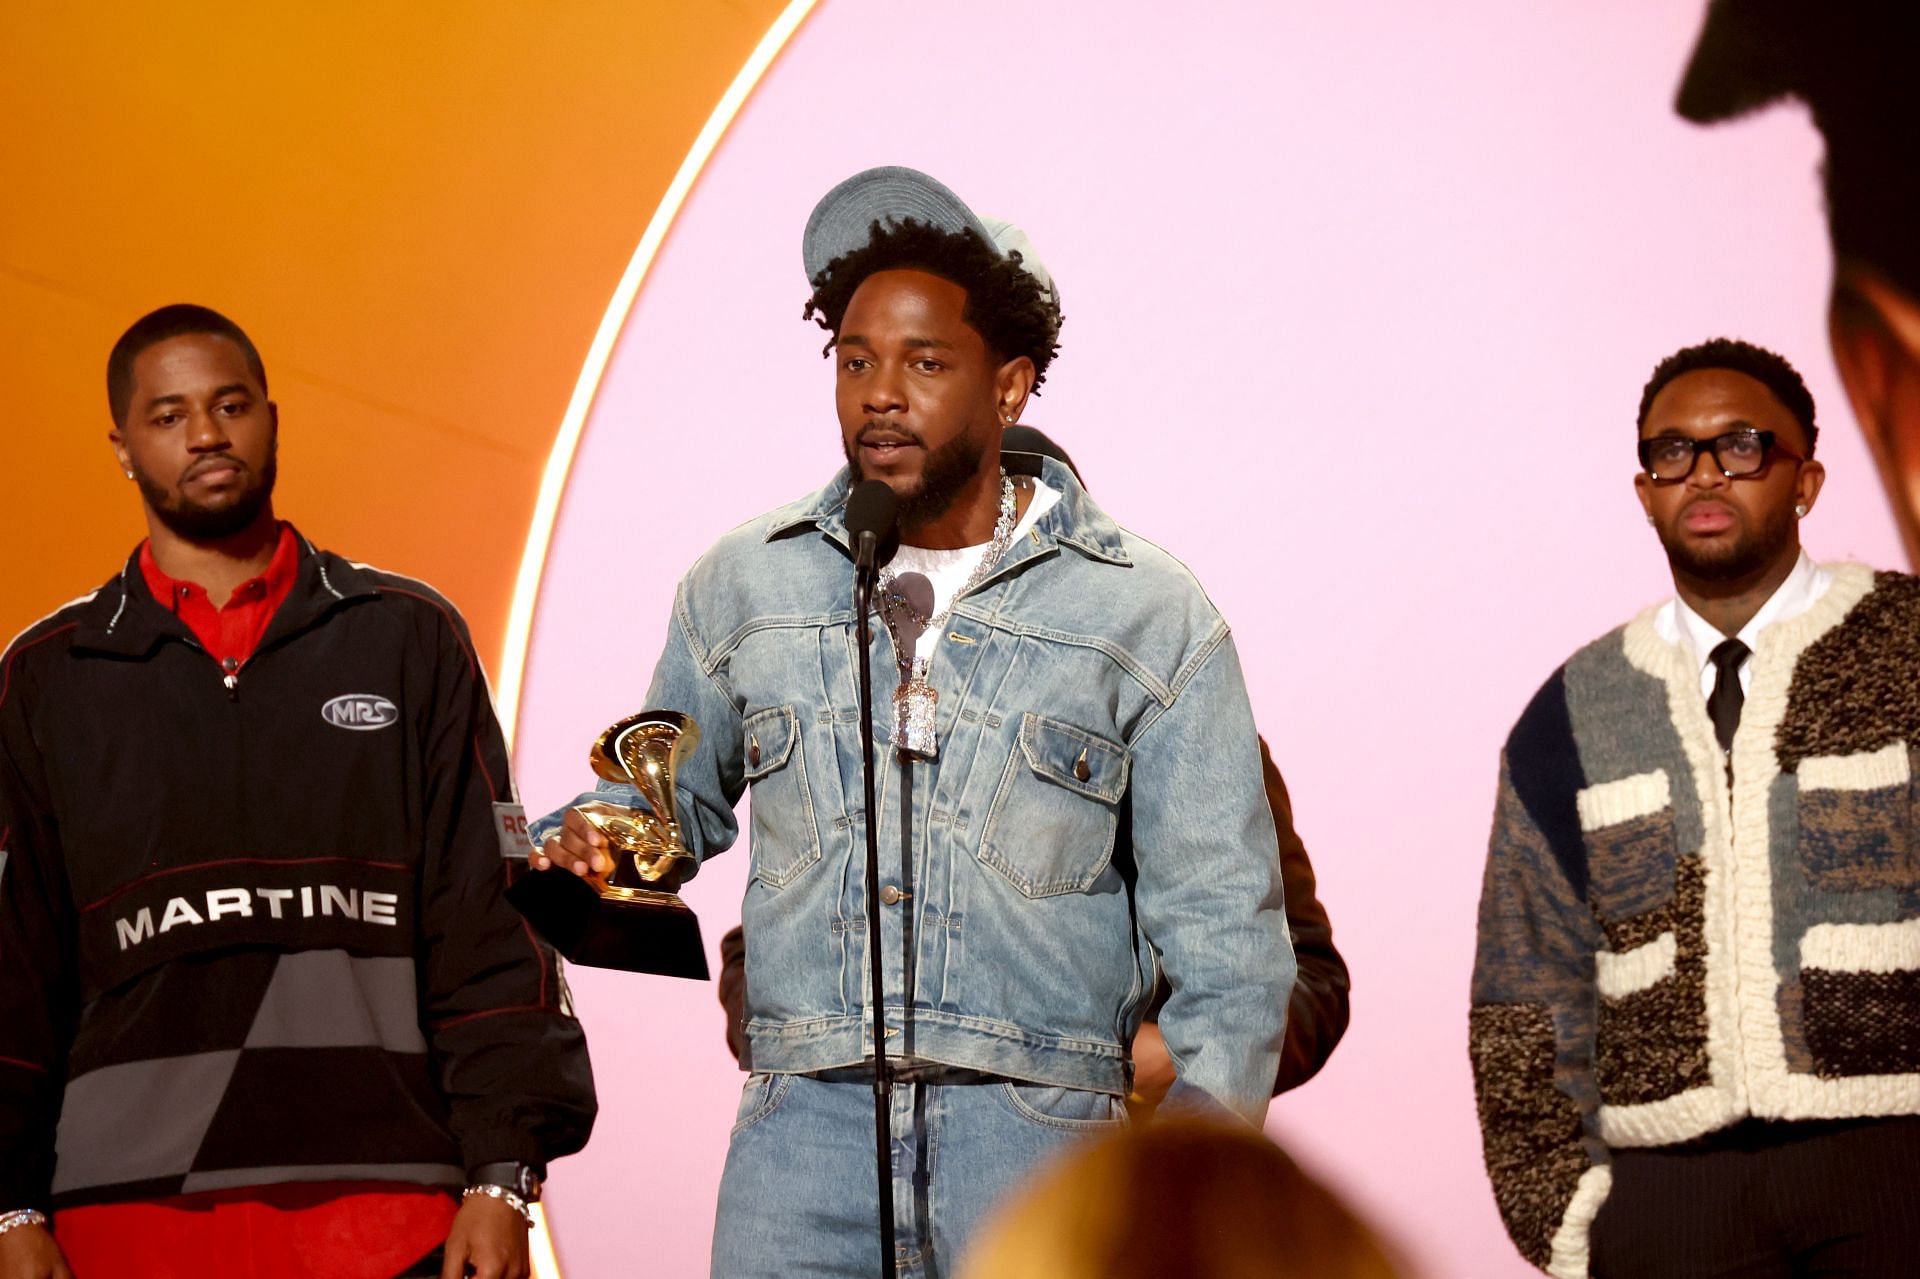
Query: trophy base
(633, 930)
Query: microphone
(871, 511)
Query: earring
(129, 474)
(1649, 521)
(1800, 511)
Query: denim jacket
(1088, 681)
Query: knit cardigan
(1663, 952)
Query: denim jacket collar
(1074, 521)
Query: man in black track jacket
(254, 953)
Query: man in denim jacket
(1074, 678)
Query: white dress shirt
(1677, 623)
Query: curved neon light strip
(546, 1263)
(553, 482)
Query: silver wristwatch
(522, 1179)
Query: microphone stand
(864, 574)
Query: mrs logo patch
(362, 712)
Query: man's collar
(825, 509)
(276, 580)
(1074, 521)
(1797, 593)
(124, 617)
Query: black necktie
(1725, 701)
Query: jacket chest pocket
(1051, 827)
(786, 839)
(1854, 821)
(1628, 829)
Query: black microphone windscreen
(872, 508)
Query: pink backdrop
(1359, 301)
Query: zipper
(229, 670)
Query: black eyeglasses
(1738, 454)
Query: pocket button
(753, 752)
(1080, 769)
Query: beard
(1752, 549)
(197, 522)
(945, 473)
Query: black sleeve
(511, 1058)
(733, 991)
(1317, 1010)
(38, 995)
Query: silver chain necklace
(916, 700)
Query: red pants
(319, 1231)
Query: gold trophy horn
(630, 915)
(650, 857)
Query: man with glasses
(1696, 1000)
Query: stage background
(1359, 302)
(417, 212)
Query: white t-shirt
(929, 578)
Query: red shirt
(232, 632)
(322, 1230)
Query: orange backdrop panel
(418, 212)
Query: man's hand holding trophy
(620, 906)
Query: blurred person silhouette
(1180, 1198)
(1853, 66)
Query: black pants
(1767, 1201)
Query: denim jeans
(799, 1197)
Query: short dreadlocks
(1006, 306)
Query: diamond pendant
(913, 706)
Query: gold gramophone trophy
(629, 917)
